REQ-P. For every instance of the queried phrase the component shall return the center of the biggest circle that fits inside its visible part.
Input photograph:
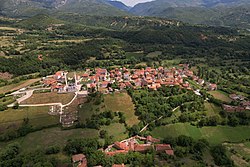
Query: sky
(133, 2)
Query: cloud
(133, 2)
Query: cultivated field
(214, 135)
(220, 95)
(51, 97)
(122, 102)
(17, 86)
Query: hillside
(27, 8)
(217, 12)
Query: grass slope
(122, 102)
(214, 135)
(38, 117)
(52, 136)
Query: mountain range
(235, 13)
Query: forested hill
(28, 8)
(43, 34)
(234, 13)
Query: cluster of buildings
(59, 82)
(138, 144)
(243, 104)
(153, 78)
(134, 144)
(102, 79)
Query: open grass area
(154, 54)
(52, 136)
(220, 95)
(133, 54)
(38, 117)
(17, 86)
(86, 110)
(214, 135)
(122, 102)
(117, 130)
(212, 109)
(50, 97)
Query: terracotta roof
(121, 146)
(142, 147)
(153, 140)
(78, 157)
(116, 152)
(169, 152)
(162, 147)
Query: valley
(111, 90)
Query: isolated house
(80, 160)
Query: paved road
(28, 94)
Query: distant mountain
(33, 7)
(213, 12)
(119, 5)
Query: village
(116, 80)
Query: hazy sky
(133, 2)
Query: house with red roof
(80, 160)
(162, 147)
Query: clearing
(211, 109)
(51, 97)
(214, 135)
(220, 95)
(122, 102)
(117, 130)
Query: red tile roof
(162, 147)
(169, 152)
(142, 147)
(116, 152)
(153, 140)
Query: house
(169, 152)
(212, 87)
(121, 146)
(80, 160)
(59, 75)
(150, 139)
(237, 97)
(229, 108)
(142, 147)
(201, 81)
(246, 104)
(162, 147)
(112, 153)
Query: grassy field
(38, 117)
(17, 86)
(117, 130)
(52, 136)
(122, 102)
(51, 97)
(154, 54)
(220, 95)
(212, 109)
(214, 135)
(86, 110)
